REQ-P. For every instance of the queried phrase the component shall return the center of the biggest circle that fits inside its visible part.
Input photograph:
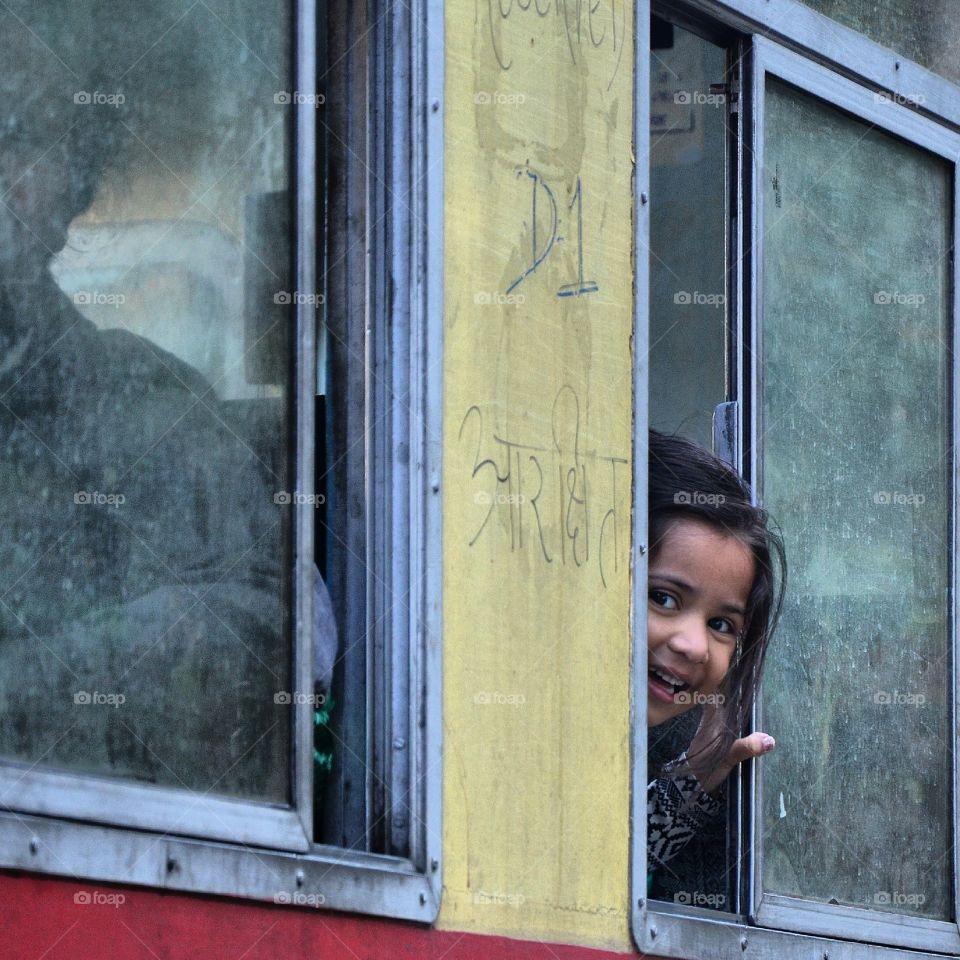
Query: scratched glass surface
(926, 31)
(145, 489)
(855, 440)
(687, 233)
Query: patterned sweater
(677, 810)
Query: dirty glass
(145, 308)
(926, 31)
(855, 440)
(687, 232)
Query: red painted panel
(56, 919)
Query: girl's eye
(722, 625)
(663, 599)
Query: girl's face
(698, 586)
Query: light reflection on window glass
(144, 392)
(855, 434)
(687, 232)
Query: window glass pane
(926, 31)
(145, 525)
(687, 232)
(855, 437)
(687, 342)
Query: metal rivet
(434, 864)
(171, 864)
(743, 943)
(399, 822)
(642, 549)
(653, 933)
(435, 486)
(399, 743)
(423, 899)
(34, 844)
(643, 198)
(435, 106)
(641, 902)
(896, 65)
(300, 876)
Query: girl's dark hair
(687, 482)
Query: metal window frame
(825, 59)
(263, 851)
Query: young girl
(713, 600)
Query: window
(221, 436)
(841, 169)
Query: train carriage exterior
(331, 338)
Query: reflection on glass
(687, 232)
(144, 288)
(855, 440)
(926, 31)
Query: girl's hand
(754, 745)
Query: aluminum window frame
(263, 851)
(821, 58)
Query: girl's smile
(699, 583)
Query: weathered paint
(47, 917)
(537, 386)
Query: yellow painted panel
(537, 419)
